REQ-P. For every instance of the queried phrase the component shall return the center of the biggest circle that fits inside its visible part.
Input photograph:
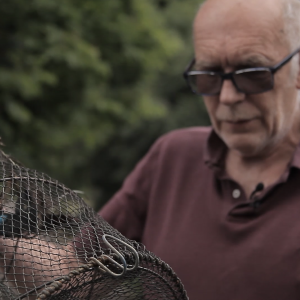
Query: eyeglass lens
(206, 83)
(249, 82)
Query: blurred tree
(114, 160)
(87, 86)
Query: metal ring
(137, 261)
(124, 266)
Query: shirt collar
(295, 162)
(214, 151)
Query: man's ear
(298, 75)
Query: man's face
(235, 35)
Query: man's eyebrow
(206, 65)
(255, 61)
(251, 61)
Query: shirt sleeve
(127, 210)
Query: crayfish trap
(53, 246)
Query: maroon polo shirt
(179, 202)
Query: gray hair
(292, 22)
(291, 15)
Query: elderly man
(222, 205)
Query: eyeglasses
(247, 81)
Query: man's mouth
(239, 121)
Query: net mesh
(53, 246)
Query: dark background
(87, 86)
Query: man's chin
(246, 146)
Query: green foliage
(87, 86)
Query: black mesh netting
(53, 246)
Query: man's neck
(249, 171)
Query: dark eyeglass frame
(230, 75)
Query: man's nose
(229, 95)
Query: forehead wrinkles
(233, 52)
(225, 33)
(235, 16)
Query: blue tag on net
(3, 217)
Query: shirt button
(236, 194)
